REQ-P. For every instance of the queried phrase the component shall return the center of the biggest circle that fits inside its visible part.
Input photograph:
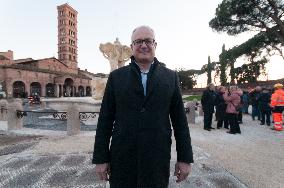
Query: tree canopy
(237, 16)
(187, 78)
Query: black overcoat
(140, 127)
(220, 107)
(208, 101)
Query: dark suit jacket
(140, 126)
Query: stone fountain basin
(85, 104)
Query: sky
(185, 40)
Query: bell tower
(67, 36)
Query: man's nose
(144, 44)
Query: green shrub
(190, 98)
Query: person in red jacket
(277, 105)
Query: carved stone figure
(116, 53)
(98, 86)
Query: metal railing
(83, 116)
(3, 110)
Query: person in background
(221, 108)
(232, 98)
(264, 106)
(208, 102)
(240, 108)
(245, 98)
(277, 105)
(254, 100)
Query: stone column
(73, 121)
(191, 113)
(9, 87)
(3, 109)
(42, 103)
(56, 90)
(43, 89)
(201, 113)
(75, 91)
(28, 88)
(60, 90)
(13, 121)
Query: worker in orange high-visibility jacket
(277, 105)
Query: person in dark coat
(264, 106)
(245, 98)
(254, 100)
(208, 102)
(221, 108)
(141, 104)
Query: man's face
(211, 87)
(143, 45)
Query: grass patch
(190, 98)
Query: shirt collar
(146, 71)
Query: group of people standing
(227, 102)
(265, 102)
(230, 103)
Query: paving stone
(74, 171)
(87, 177)
(17, 164)
(74, 160)
(223, 182)
(45, 162)
(3, 177)
(25, 180)
(192, 182)
(62, 178)
(17, 148)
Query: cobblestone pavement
(22, 170)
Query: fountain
(117, 54)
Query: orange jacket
(277, 98)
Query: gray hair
(143, 26)
(234, 88)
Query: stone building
(48, 77)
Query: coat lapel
(152, 80)
(136, 81)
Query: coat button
(142, 110)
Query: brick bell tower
(67, 36)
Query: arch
(19, 89)
(50, 90)
(81, 91)
(35, 89)
(68, 88)
(88, 91)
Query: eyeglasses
(139, 42)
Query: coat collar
(153, 74)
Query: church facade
(48, 77)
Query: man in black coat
(264, 106)
(142, 101)
(208, 102)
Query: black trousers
(221, 122)
(207, 120)
(233, 122)
(266, 114)
(240, 116)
